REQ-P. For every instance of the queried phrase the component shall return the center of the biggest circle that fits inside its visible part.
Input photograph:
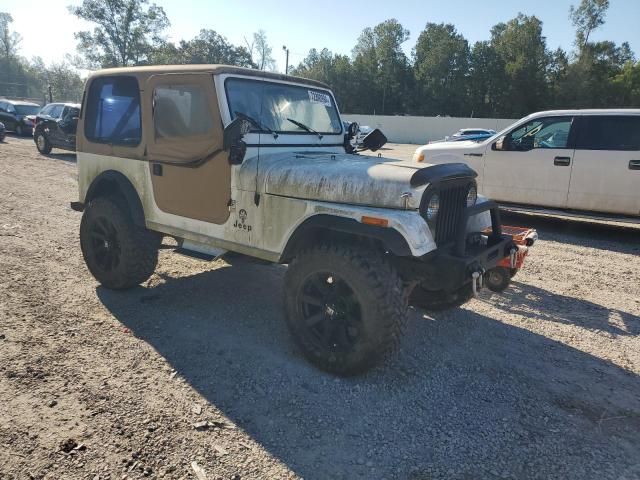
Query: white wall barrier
(420, 130)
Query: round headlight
(472, 196)
(432, 207)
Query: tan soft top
(147, 71)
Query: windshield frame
(292, 84)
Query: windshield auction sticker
(322, 98)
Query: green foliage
(523, 51)
(381, 69)
(9, 41)
(440, 65)
(20, 78)
(588, 16)
(207, 47)
(126, 31)
(511, 75)
(260, 52)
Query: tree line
(511, 74)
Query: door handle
(562, 161)
(634, 164)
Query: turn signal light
(420, 157)
(378, 222)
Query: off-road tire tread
(142, 244)
(47, 145)
(383, 282)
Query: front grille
(453, 202)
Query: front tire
(118, 253)
(345, 307)
(42, 143)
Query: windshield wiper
(256, 123)
(304, 127)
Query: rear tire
(345, 307)
(118, 253)
(42, 143)
(437, 301)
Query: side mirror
(232, 140)
(374, 140)
(499, 144)
(352, 131)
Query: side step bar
(199, 251)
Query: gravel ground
(197, 366)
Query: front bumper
(474, 252)
(452, 267)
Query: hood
(453, 145)
(341, 178)
(436, 153)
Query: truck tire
(437, 301)
(345, 307)
(42, 143)
(118, 253)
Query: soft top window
(113, 111)
(181, 111)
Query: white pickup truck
(584, 160)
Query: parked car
(56, 127)
(465, 132)
(475, 134)
(224, 158)
(3, 132)
(18, 116)
(586, 160)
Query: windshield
(275, 105)
(27, 109)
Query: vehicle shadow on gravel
(539, 304)
(67, 157)
(467, 396)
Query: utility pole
(286, 69)
(50, 95)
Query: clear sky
(47, 28)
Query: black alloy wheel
(106, 248)
(332, 317)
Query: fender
(110, 182)
(312, 229)
(440, 173)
